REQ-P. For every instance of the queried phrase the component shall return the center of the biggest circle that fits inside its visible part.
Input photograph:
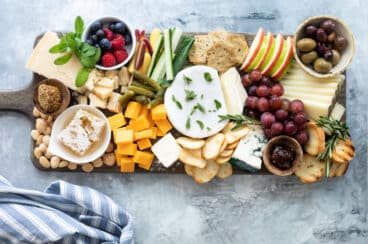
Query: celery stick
(156, 54)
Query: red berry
(277, 90)
(120, 55)
(108, 33)
(118, 42)
(296, 106)
(108, 60)
(263, 104)
(246, 80)
(255, 75)
(263, 91)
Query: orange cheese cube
(127, 149)
(123, 135)
(144, 111)
(144, 159)
(158, 112)
(132, 110)
(143, 134)
(144, 144)
(116, 121)
(154, 133)
(159, 132)
(118, 157)
(164, 125)
(127, 165)
(140, 123)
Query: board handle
(18, 100)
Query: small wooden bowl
(346, 55)
(283, 140)
(65, 94)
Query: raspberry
(108, 60)
(108, 33)
(118, 42)
(120, 55)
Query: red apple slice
(277, 74)
(254, 48)
(269, 43)
(268, 66)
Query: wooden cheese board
(22, 101)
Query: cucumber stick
(156, 54)
(168, 54)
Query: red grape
(263, 104)
(275, 102)
(276, 129)
(266, 81)
(267, 119)
(285, 104)
(251, 102)
(255, 75)
(290, 128)
(302, 137)
(302, 127)
(268, 133)
(277, 90)
(263, 91)
(252, 91)
(300, 118)
(246, 80)
(296, 106)
(281, 114)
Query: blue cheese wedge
(166, 150)
(248, 154)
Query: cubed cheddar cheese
(116, 121)
(154, 133)
(143, 134)
(164, 125)
(144, 159)
(158, 112)
(140, 123)
(118, 157)
(159, 132)
(144, 111)
(132, 110)
(127, 165)
(127, 149)
(123, 135)
(144, 144)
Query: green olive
(306, 44)
(331, 37)
(308, 58)
(321, 65)
(336, 57)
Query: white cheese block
(310, 90)
(305, 83)
(310, 96)
(97, 102)
(82, 100)
(337, 112)
(114, 103)
(207, 92)
(234, 92)
(166, 150)
(102, 92)
(248, 154)
(42, 62)
(106, 82)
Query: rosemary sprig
(336, 130)
(239, 120)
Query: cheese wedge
(102, 92)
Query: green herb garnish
(178, 104)
(70, 44)
(239, 120)
(208, 128)
(187, 124)
(207, 76)
(202, 96)
(187, 80)
(217, 104)
(200, 123)
(336, 130)
(199, 107)
(190, 95)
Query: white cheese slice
(310, 96)
(114, 104)
(42, 62)
(102, 92)
(106, 82)
(207, 93)
(337, 111)
(166, 150)
(310, 90)
(97, 102)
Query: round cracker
(206, 174)
(188, 169)
(221, 56)
(226, 170)
(190, 143)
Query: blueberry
(112, 27)
(105, 44)
(128, 39)
(96, 26)
(97, 45)
(94, 38)
(89, 42)
(100, 34)
(120, 28)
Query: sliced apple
(262, 53)
(254, 48)
(269, 64)
(283, 63)
(269, 45)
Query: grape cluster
(278, 116)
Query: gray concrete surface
(172, 208)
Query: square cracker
(221, 56)
(198, 52)
(238, 42)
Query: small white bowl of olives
(324, 46)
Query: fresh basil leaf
(78, 26)
(63, 59)
(217, 104)
(58, 48)
(200, 123)
(178, 104)
(207, 76)
(189, 95)
(88, 62)
(187, 80)
(97, 55)
(82, 77)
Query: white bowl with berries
(116, 39)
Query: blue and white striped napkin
(64, 213)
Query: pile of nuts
(41, 136)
